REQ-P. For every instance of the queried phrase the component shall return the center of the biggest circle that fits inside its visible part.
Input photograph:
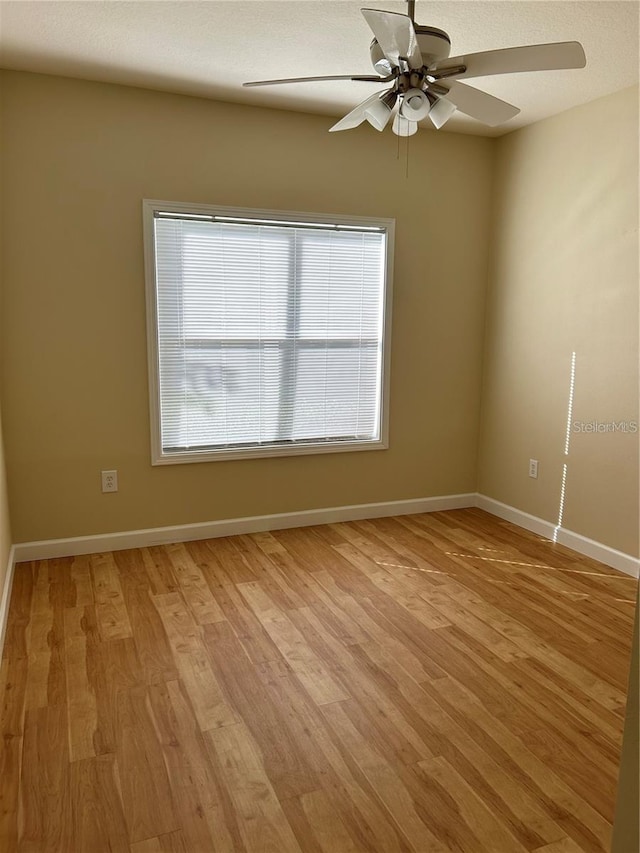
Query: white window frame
(158, 457)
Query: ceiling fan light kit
(415, 105)
(426, 81)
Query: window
(268, 331)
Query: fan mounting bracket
(409, 80)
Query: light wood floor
(441, 682)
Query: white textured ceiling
(209, 48)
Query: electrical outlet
(109, 481)
(533, 468)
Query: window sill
(226, 455)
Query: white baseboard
(51, 548)
(515, 516)
(589, 547)
(47, 549)
(6, 597)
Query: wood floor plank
(568, 807)
(350, 794)
(13, 679)
(506, 797)
(46, 823)
(287, 768)
(585, 602)
(436, 682)
(370, 629)
(208, 559)
(387, 784)
(564, 845)
(113, 619)
(81, 700)
(246, 625)
(322, 559)
(552, 568)
(40, 626)
(149, 845)
(299, 824)
(40, 596)
(112, 666)
(81, 578)
(150, 638)
(293, 647)
(308, 590)
(172, 842)
(11, 779)
(547, 680)
(327, 828)
(159, 570)
(61, 595)
(368, 691)
(146, 793)
(185, 636)
(194, 587)
(203, 808)
(275, 582)
(558, 756)
(22, 590)
(309, 549)
(263, 824)
(98, 820)
(490, 833)
(231, 563)
(337, 609)
(404, 536)
(498, 687)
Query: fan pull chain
(406, 173)
(406, 168)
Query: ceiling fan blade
(403, 126)
(441, 112)
(479, 105)
(395, 35)
(534, 57)
(357, 115)
(367, 78)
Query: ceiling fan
(425, 81)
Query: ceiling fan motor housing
(434, 44)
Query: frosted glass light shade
(379, 112)
(415, 105)
(404, 127)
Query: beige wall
(5, 526)
(564, 278)
(78, 158)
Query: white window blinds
(269, 334)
